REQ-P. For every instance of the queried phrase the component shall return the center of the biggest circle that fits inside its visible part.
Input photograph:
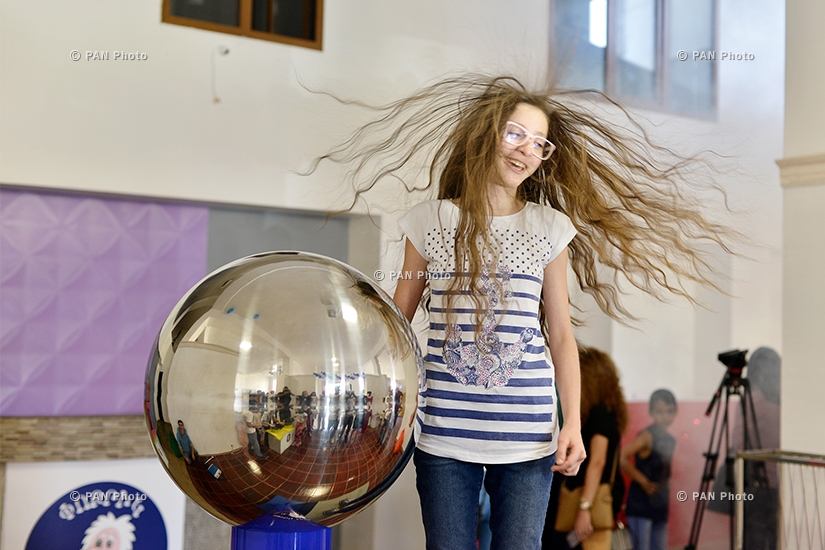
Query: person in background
(603, 419)
(483, 532)
(651, 451)
(185, 444)
(252, 426)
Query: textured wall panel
(84, 285)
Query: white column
(803, 181)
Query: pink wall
(692, 430)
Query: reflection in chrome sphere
(283, 382)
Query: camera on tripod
(733, 383)
(735, 361)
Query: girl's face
(517, 163)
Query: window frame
(244, 27)
(662, 71)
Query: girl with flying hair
(523, 184)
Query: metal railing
(800, 499)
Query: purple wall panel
(85, 284)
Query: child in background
(647, 500)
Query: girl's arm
(642, 446)
(592, 480)
(565, 356)
(408, 292)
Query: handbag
(620, 538)
(601, 514)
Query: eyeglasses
(517, 135)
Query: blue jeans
(647, 534)
(483, 533)
(449, 489)
(254, 446)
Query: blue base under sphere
(284, 383)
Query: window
(296, 22)
(656, 54)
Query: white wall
(151, 128)
(803, 375)
(803, 175)
(805, 79)
(675, 345)
(202, 397)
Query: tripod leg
(709, 472)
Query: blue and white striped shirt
(490, 397)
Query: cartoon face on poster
(100, 516)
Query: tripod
(732, 384)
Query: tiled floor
(311, 471)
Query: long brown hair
(631, 201)
(600, 385)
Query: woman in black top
(604, 418)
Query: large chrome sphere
(283, 382)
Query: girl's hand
(570, 453)
(583, 525)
